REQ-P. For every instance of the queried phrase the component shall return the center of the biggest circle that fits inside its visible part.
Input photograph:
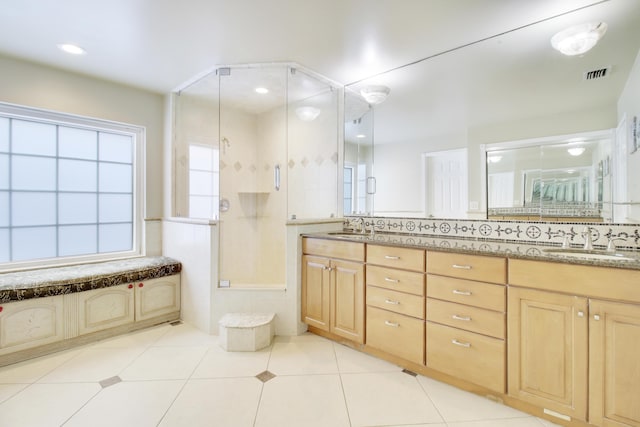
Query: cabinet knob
(130, 286)
(596, 317)
(140, 285)
(581, 314)
(1, 308)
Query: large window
(68, 188)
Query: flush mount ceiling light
(578, 39)
(72, 49)
(261, 90)
(307, 114)
(375, 94)
(575, 151)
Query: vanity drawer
(478, 294)
(399, 302)
(391, 256)
(471, 267)
(396, 334)
(397, 280)
(472, 319)
(472, 357)
(333, 249)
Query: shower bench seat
(46, 310)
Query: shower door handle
(276, 177)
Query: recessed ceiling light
(262, 90)
(375, 94)
(72, 49)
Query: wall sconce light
(307, 114)
(375, 94)
(578, 39)
(575, 151)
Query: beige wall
(34, 85)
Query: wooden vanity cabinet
(395, 301)
(573, 340)
(333, 287)
(614, 364)
(465, 307)
(548, 350)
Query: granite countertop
(508, 249)
(53, 281)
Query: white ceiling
(160, 44)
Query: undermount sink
(590, 254)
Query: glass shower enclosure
(256, 146)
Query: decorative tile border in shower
(533, 232)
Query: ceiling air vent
(597, 74)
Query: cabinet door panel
(315, 291)
(31, 323)
(547, 351)
(105, 308)
(157, 297)
(347, 300)
(614, 334)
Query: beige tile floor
(178, 376)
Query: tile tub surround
(538, 232)
(21, 285)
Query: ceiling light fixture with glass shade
(578, 39)
(576, 151)
(375, 94)
(307, 113)
(72, 49)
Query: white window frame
(138, 133)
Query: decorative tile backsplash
(548, 233)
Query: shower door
(253, 171)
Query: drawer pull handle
(391, 257)
(461, 344)
(388, 279)
(456, 317)
(390, 301)
(393, 325)
(461, 267)
(457, 292)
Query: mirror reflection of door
(446, 184)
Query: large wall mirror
(429, 148)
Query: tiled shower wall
(547, 233)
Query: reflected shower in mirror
(559, 179)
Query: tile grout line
(430, 400)
(83, 405)
(255, 417)
(344, 394)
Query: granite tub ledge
(46, 282)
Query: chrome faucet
(588, 242)
(611, 246)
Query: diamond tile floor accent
(265, 376)
(110, 381)
(175, 376)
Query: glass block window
(68, 187)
